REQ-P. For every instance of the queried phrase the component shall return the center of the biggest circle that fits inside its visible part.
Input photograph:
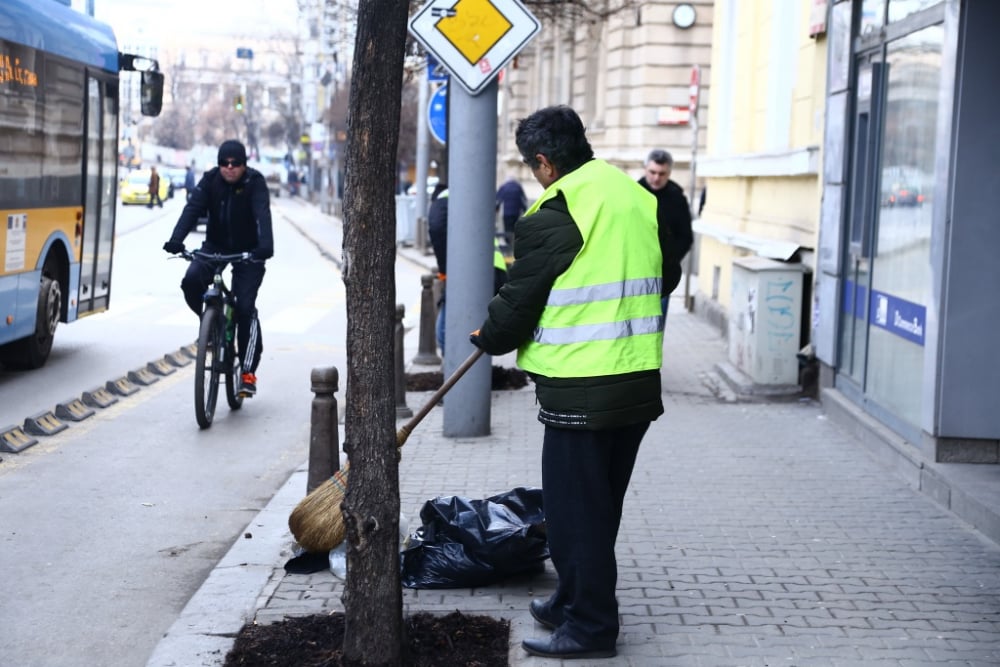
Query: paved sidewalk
(754, 533)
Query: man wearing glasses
(236, 201)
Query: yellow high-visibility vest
(603, 315)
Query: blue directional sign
(436, 72)
(243, 52)
(437, 115)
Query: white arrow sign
(474, 39)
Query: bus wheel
(31, 352)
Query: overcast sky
(163, 19)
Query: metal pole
(402, 411)
(472, 144)
(688, 297)
(422, 159)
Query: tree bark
(373, 596)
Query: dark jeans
(247, 278)
(584, 478)
(154, 198)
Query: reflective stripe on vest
(603, 315)
(498, 261)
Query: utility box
(765, 325)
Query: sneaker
(248, 384)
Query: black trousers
(247, 278)
(584, 478)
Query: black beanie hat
(232, 150)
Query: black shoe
(565, 648)
(541, 612)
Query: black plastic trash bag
(466, 543)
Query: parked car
(134, 188)
(175, 175)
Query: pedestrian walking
(673, 218)
(512, 203)
(154, 188)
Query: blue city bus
(59, 72)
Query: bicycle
(216, 357)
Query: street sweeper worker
(582, 309)
(236, 200)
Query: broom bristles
(317, 522)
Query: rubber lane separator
(73, 410)
(44, 423)
(13, 439)
(99, 397)
(161, 367)
(122, 387)
(143, 376)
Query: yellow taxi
(134, 188)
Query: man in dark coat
(236, 200)
(673, 218)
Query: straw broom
(317, 522)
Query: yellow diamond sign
(474, 39)
(474, 28)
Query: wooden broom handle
(407, 428)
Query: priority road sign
(474, 39)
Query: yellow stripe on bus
(24, 233)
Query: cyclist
(236, 201)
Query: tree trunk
(373, 599)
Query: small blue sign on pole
(436, 72)
(244, 52)
(437, 115)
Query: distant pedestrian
(437, 229)
(189, 182)
(673, 218)
(582, 309)
(513, 203)
(154, 188)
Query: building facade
(851, 139)
(627, 74)
(906, 273)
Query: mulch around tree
(455, 640)
(502, 379)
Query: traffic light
(238, 103)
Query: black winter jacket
(673, 222)
(239, 215)
(547, 243)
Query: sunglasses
(231, 163)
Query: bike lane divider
(14, 439)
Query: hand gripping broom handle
(407, 428)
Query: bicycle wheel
(206, 379)
(233, 370)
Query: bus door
(100, 172)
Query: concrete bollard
(402, 412)
(427, 352)
(324, 434)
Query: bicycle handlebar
(217, 258)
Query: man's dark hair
(661, 157)
(558, 134)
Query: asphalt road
(109, 527)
